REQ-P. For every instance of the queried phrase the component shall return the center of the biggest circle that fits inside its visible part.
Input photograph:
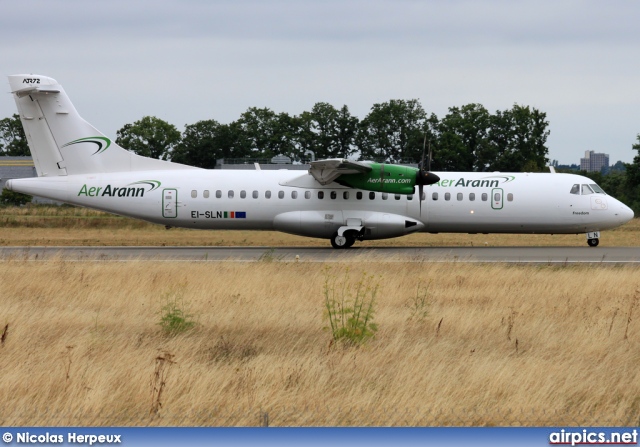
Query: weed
(350, 308)
(173, 319)
(159, 380)
(418, 304)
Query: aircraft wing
(326, 171)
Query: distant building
(594, 162)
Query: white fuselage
(291, 201)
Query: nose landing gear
(593, 238)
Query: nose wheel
(593, 238)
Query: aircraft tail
(61, 142)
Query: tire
(344, 241)
(339, 241)
(593, 242)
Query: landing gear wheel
(593, 242)
(350, 241)
(342, 241)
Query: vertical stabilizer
(61, 142)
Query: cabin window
(307, 194)
(359, 195)
(510, 197)
(410, 197)
(385, 196)
(459, 196)
(423, 196)
(434, 196)
(586, 190)
(472, 196)
(205, 194)
(485, 197)
(255, 194)
(334, 195)
(194, 194)
(597, 189)
(294, 194)
(267, 194)
(243, 194)
(397, 196)
(447, 196)
(218, 194)
(230, 194)
(320, 194)
(345, 195)
(575, 189)
(280, 194)
(496, 197)
(372, 195)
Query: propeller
(424, 177)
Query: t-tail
(61, 142)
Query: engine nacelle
(364, 225)
(393, 179)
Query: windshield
(585, 189)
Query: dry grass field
(57, 226)
(457, 344)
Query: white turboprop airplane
(337, 199)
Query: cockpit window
(586, 190)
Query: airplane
(337, 199)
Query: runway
(524, 255)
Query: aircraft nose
(626, 213)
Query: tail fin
(61, 142)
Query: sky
(190, 60)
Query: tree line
(467, 138)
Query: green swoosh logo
(155, 184)
(103, 143)
(506, 178)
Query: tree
(393, 131)
(326, 131)
(461, 139)
(633, 169)
(519, 137)
(149, 137)
(201, 144)
(262, 133)
(13, 141)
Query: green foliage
(202, 144)
(393, 131)
(350, 308)
(418, 304)
(149, 137)
(327, 131)
(174, 319)
(11, 198)
(13, 141)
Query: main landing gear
(345, 241)
(593, 238)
